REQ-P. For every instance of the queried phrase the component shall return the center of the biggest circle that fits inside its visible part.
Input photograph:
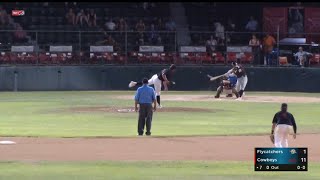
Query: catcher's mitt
(272, 138)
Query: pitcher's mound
(131, 110)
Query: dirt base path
(247, 98)
(221, 148)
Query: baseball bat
(215, 77)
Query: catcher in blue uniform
(228, 83)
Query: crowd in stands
(128, 26)
(74, 16)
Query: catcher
(282, 123)
(228, 83)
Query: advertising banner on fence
(22, 48)
(60, 48)
(239, 49)
(151, 48)
(187, 49)
(101, 48)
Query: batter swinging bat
(215, 77)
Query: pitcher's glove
(272, 138)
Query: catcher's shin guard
(219, 90)
(228, 92)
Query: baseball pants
(145, 118)
(281, 135)
(241, 83)
(156, 82)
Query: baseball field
(92, 135)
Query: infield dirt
(219, 148)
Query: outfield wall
(29, 78)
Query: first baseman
(282, 123)
(163, 77)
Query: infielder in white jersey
(282, 123)
(163, 77)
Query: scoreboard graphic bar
(281, 159)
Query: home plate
(7, 142)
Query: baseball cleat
(160, 106)
(239, 99)
(132, 84)
(148, 133)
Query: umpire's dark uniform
(145, 96)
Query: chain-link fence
(128, 47)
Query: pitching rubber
(7, 142)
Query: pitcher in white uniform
(282, 124)
(163, 77)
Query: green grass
(45, 114)
(186, 170)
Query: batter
(242, 80)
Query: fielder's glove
(272, 138)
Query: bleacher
(46, 26)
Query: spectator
(109, 40)
(252, 25)
(302, 57)
(145, 6)
(160, 26)
(92, 18)
(20, 36)
(219, 29)
(11, 23)
(122, 24)
(71, 17)
(110, 25)
(159, 41)
(72, 5)
(268, 44)
(211, 44)
(298, 5)
(140, 40)
(140, 27)
(154, 37)
(45, 4)
(295, 21)
(3, 16)
(221, 45)
(81, 16)
(170, 25)
(254, 43)
(231, 27)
